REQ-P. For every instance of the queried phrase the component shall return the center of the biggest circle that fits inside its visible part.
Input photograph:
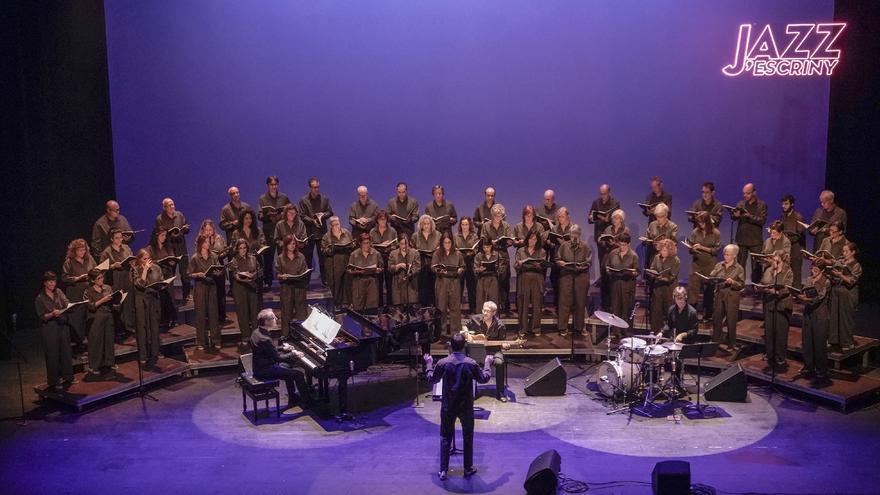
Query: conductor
(458, 373)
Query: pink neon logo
(804, 50)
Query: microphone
(635, 307)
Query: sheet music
(321, 326)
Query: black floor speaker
(671, 478)
(547, 380)
(731, 385)
(543, 474)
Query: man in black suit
(269, 364)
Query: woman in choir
(608, 240)
(290, 265)
(146, 307)
(205, 296)
(487, 265)
(448, 265)
(160, 251)
(777, 311)
(100, 307)
(664, 277)
(426, 240)
(336, 246)
(845, 276)
(55, 332)
(247, 230)
(574, 259)
(75, 273)
(835, 241)
(705, 241)
(493, 231)
(365, 269)
(531, 267)
(217, 245)
(290, 224)
(465, 240)
(622, 264)
(778, 241)
(815, 334)
(381, 238)
(245, 267)
(404, 265)
(120, 277)
(528, 224)
(730, 280)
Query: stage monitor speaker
(543, 474)
(671, 478)
(731, 385)
(547, 380)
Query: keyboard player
(490, 327)
(269, 364)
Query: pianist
(271, 364)
(488, 327)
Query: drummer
(681, 318)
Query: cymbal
(673, 346)
(611, 319)
(647, 337)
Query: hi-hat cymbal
(611, 319)
(647, 337)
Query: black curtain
(57, 140)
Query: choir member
(548, 209)
(162, 255)
(845, 276)
(681, 318)
(290, 265)
(100, 315)
(710, 205)
(660, 228)
(816, 319)
(833, 243)
(289, 224)
(364, 269)
(55, 332)
(793, 229)
(829, 213)
(403, 210)
(750, 215)
(316, 210)
(111, 219)
(466, 241)
(202, 264)
(426, 240)
(230, 214)
(622, 265)
(217, 245)
(404, 265)
(247, 229)
(271, 212)
(174, 222)
(483, 211)
(655, 197)
(382, 238)
(528, 224)
(442, 211)
(336, 245)
(487, 267)
(559, 233)
(531, 267)
(705, 242)
(493, 231)
(607, 242)
(777, 242)
(730, 279)
(663, 273)
(362, 213)
(777, 312)
(245, 268)
(120, 277)
(147, 310)
(491, 327)
(574, 259)
(448, 266)
(75, 273)
(600, 216)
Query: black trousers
(469, 281)
(757, 269)
(465, 414)
(776, 324)
(500, 367)
(269, 262)
(56, 346)
(815, 341)
(293, 378)
(310, 250)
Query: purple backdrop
(519, 95)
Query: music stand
(699, 351)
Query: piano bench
(259, 390)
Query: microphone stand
(18, 359)
(418, 404)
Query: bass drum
(614, 376)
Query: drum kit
(641, 370)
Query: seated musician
(270, 364)
(681, 318)
(487, 326)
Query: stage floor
(197, 440)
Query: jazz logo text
(804, 50)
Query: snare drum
(656, 355)
(618, 376)
(631, 349)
